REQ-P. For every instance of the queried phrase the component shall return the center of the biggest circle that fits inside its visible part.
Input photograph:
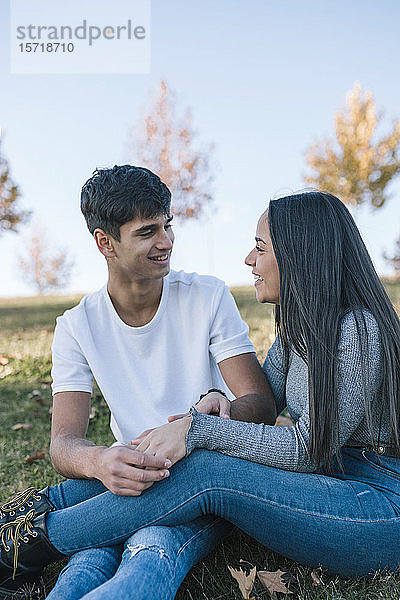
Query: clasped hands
(169, 440)
(131, 469)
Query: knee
(95, 558)
(157, 538)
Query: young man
(154, 340)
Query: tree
(165, 142)
(356, 166)
(395, 259)
(43, 266)
(10, 215)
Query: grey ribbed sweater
(286, 448)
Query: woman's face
(264, 266)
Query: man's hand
(122, 469)
(168, 440)
(213, 403)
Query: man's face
(145, 248)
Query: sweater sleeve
(287, 448)
(274, 369)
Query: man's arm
(254, 402)
(254, 399)
(119, 468)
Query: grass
(25, 397)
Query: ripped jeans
(347, 523)
(152, 563)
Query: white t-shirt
(147, 373)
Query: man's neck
(136, 302)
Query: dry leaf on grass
(36, 395)
(92, 413)
(18, 426)
(272, 581)
(37, 455)
(245, 582)
(316, 576)
(4, 360)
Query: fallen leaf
(37, 455)
(316, 576)
(272, 581)
(18, 426)
(92, 413)
(4, 360)
(245, 582)
(35, 393)
(5, 370)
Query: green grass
(25, 397)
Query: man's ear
(105, 243)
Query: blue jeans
(152, 566)
(348, 523)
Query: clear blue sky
(263, 80)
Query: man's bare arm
(119, 468)
(254, 399)
(254, 402)
(72, 455)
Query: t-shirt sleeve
(228, 332)
(70, 371)
(287, 448)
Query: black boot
(23, 502)
(25, 547)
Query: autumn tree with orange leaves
(164, 141)
(356, 165)
(10, 215)
(43, 266)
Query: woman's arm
(283, 447)
(287, 448)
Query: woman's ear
(105, 243)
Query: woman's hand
(213, 403)
(168, 441)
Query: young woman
(325, 492)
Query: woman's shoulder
(275, 356)
(359, 322)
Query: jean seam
(314, 514)
(114, 540)
(193, 537)
(208, 526)
(380, 468)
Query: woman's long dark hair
(326, 271)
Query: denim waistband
(379, 450)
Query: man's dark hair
(112, 197)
